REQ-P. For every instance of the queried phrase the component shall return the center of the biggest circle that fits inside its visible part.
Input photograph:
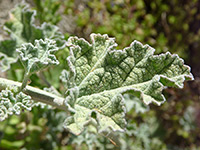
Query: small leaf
(7, 54)
(101, 75)
(13, 103)
(38, 56)
(52, 32)
(22, 29)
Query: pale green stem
(36, 94)
(25, 81)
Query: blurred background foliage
(165, 25)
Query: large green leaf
(101, 75)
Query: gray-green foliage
(13, 102)
(136, 137)
(38, 56)
(101, 75)
(22, 29)
(101, 82)
(34, 54)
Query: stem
(25, 81)
(36, 94)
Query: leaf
(13, 103)
(102, 74)
(22, 29)
(135, 103)
(7, 54)
(38, 56)
(92, 141)
(52, 32)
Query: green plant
(95, 80)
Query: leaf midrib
(97, 63)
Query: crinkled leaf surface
(22, 30)
(21, 27)
(13, 103)
(101, 75)
(38, 56)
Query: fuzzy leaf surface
(38, 56)
(12, 103)
(101, 75)
(22, 29)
